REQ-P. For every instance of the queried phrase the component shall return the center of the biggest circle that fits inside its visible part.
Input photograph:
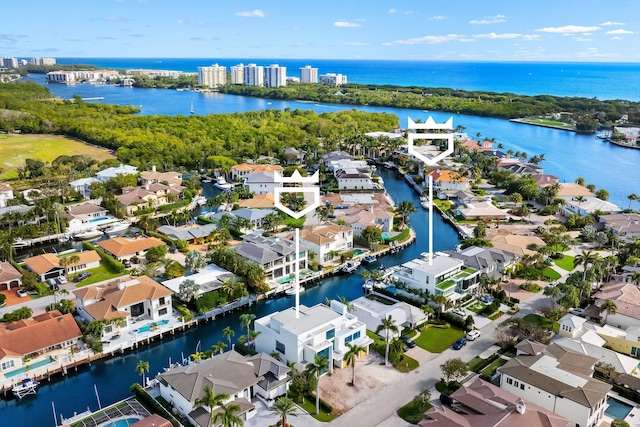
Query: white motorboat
(18, 243)
(117, 227)
(351, 266)
(424, 201)
(88, 234)
(222, 184)
(369, 259)
(200, 200)
(368, 285)
(292, 291)
(27, 386)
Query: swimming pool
(357, 252)
(123, 422)
(30, 365)
(617, 408)
(386, 235)
(147, 327)
(102, 218)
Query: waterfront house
(148, 196)
(239, 172)
(47, 266)
(372, 311)
(626, 297)
(122, 248)
(254, 216)
(276, 255)
(131, 298)
(171, 179)
(487, 260)
(35, 336)
(188, 233)
(625, 226)
(258, 201)
(355, 178)
(523, 168)
(480, 211)
(516, 244)
(293, 156)
(473, 145)
(481, 404)
(6, 193)
(326, 240)
(446, 180)
(544, 180)
(359, 219)
(10, 278)
(586, 205)
(230, 373)
(82, 186)
(336, 156)
(558, 380)
(85, 216)
(443, 275)
(260, 182)
(109, 173)
(319, 330)
(208, 279)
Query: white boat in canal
(292, 291)
(424, 201)
(351, 266)
(88, 234)
(26, 387)
(222, 184)
(18, 243)
(117, 227)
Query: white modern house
(261, 183)
(319, 330)
(371, 312)
(82, 186)
(6, 193)
(443, 275)
(276, 255)
(557, 379)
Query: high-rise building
(254, 75)
(43, 61)
(237, 74)
(275, 76)
(212, 76)
(333, 79)
(308, 74)
(9, 62)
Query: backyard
(436, 339)
(98, 274)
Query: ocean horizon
(604, 81)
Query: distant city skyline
(492, 30)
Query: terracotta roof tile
(35, 336)
(120, 246)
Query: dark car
(407, 341)
(80, 277)
(459, 344)
(126, 263)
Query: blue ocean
(599, 80)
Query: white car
(62, 280)
(577, 311)
(22, 293)
(472, 335)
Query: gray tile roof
(483, 258)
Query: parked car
(52, 284)
(514, 309)
(458, 312)
(485, 299)
(577, 311)
(472, 335)
(61, 280)
(459, 344)
(22, 293)
(135, 260)
(126, 263)
(407, 341)
(84, 275)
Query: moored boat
(117, 227)
(222, 184)
(294, 290)
(18, 243)
(369, 259)
(88, 234)
(351, 266)
(27, 386)
(424, 201)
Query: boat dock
(25, 243)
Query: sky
(459, 30)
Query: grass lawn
(543, 322)
(476, 307)
(406, 364)
(15, 149)
(547, 122)
(437, 340)
(475, 363)
(551, 274)
(565, 263)
(493, 366)
(411, 414)
(98, 275)
(309, 405)
(295, 223)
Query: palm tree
(211, 400)
(388, 325)
(228, 333)
(632, 198)
(552, 292)
(318, 367)
(428, 310)
(141, 368)
(245, 321)
(284, 407)
(610, 307)
(524, 210)
(580, 200)
(347, 303)
(350, 357)
(440, 300)
(219, 348)
(585, 259)
(405, 209)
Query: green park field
(15, 149)
(549, 123)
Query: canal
(113, 377)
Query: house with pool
(86, 216)
(317, 330)
(140, 301)
(48, 266)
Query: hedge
(110, 262)
(152, 405)
(160, 236)
(204, 220)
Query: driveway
(264, 417)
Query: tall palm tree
(388, 325)
(219, 348)
(347, 303)
(284, 407)
(210, 400)
(585, 259)
(141, 368)
(609, 307)
(228, 333)
(318, 367)
(552, 292)
(245, 321)
(350, 357)
(580, 200)
(632, 198)
(405, 209)
(227, 417)
(441, 301)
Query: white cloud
(436, 18)
(616, 38)
(356, 43)
(531, 37)
(409, 12)
(619, 31)
(429, 40)
(498, 36)
(609, 23)
(489, 20)
(466, 40)
(180, 21)
(583, 39)
(393, 10)
(255, 13)
(568, 29)
(346, 24)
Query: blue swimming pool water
(145, 328)
(98, 219)
(617, 408)
(386, 235)
(121, 423)
(31, 366)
